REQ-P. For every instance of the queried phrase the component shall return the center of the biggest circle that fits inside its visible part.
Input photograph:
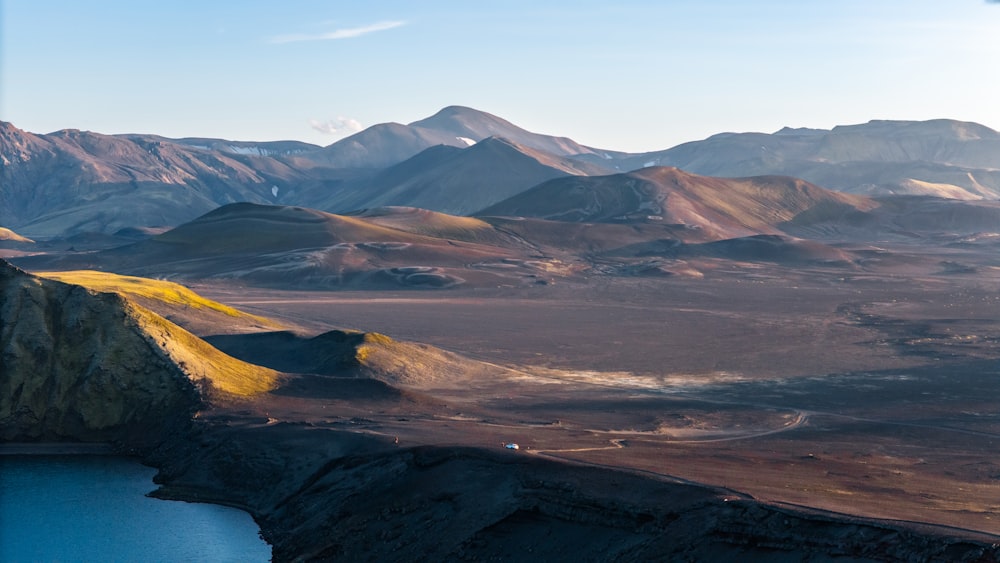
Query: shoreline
(59, 448)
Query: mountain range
(942, 158)
(459, 161)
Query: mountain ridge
(880, 157)
(728, 207)
(73, 182)
(385, 144)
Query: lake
(94, 508)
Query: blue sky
(627, 75)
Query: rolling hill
(172, 301)
(298, 247)
(778, 249)
(584, 226)
(719, 207)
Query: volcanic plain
(866, 394)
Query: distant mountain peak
(801, 131)
(69, 132)
(467, 122)
(946, 128)
(497, 140)
(385, 144)
(460, 110)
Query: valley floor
(869, 395)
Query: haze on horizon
(631, 76)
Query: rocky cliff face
(81, 365)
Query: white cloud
(345, 33)
(341, 126)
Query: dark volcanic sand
(874, 395)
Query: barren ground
(871, 394)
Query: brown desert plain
(869, 395)
(676, 390)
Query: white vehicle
(511, 446)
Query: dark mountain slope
(459, 180)
(382, 145)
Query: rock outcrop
(80, 365)
(352, 497)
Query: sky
(625, 75)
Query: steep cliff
(81, 365)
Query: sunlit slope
(460, 180)
(243, 227)
(726, 207)
(168, 299)
(221, 375)
(9, 235)
(360, 355)
(200, 362)
(86, 365)
(438, 225)
(283, 246)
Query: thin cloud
(345, 33)
(341, 126)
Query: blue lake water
(94, 508)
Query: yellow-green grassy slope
(202, 362)
(438, 225)
(420, 366)
(171, 300)
(85, 365)
(225, 376)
